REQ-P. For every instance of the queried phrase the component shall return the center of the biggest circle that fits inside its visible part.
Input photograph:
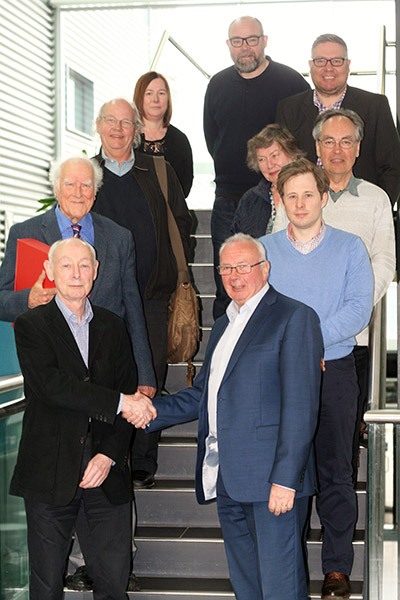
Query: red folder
(31, 255)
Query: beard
(249, 64)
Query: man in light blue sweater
(329, 270)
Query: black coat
(62, 394)
(379, 160)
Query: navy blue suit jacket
(114, 289)
(267, 404)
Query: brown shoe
(336, 585)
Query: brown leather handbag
(183, 310)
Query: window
(79, 103)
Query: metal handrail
(8, 383)
(168, 38)
(385, 415)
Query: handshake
(138, 409)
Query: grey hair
(60, 243)
(329, 37)
(244, 237)
(57, 165)
(138, 120)
(338, 112)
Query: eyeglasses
(240, 269)
(344, 143)
(125, 123)
(251, 40)
(338, 61)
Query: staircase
(180, 548)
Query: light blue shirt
(118, 169)
(80, 331)
(86, 223)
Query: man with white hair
(76, 181)
(72, 467)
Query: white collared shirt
(238, 319)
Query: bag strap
(174, 235)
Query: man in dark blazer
(379, 160)
(115, 288)
(257, 399)
(72, 467)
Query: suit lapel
(60, 328)
(100, 244)
(309, 109)
(259, 318)
(50, 228)
(97, 330)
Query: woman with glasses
(267, 152)
(152, 97)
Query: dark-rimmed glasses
(337, 61)
(240, 269)
(251, 40)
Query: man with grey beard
(239, 102)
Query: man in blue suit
(257, 399)
(76, 182)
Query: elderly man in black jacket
(72, 468)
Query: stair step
(172, 503)
(203, 276)
(206, 302)
(202, 248)
(201, 221)
(183, 430)
(199, 552)
(170, 588)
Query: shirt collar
(321, 107)
(306, 247)
(351, 187)
(65, 223)
(70, 316)
(112, 165)
(249, 307)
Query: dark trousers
(104, 531)
(336, 500)
(265, 553)
(361, 356)
(222, 215)
(145, 445)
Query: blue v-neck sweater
(335, 279)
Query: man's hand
(38, 294)
(280, 500)
(138, 410)
(97, 470)
(147, 390)
(323, 368)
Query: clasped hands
(138, 409)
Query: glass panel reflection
(14, 565)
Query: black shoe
(142, 479)
(336, 585)
(133, 583)
(80, 581)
